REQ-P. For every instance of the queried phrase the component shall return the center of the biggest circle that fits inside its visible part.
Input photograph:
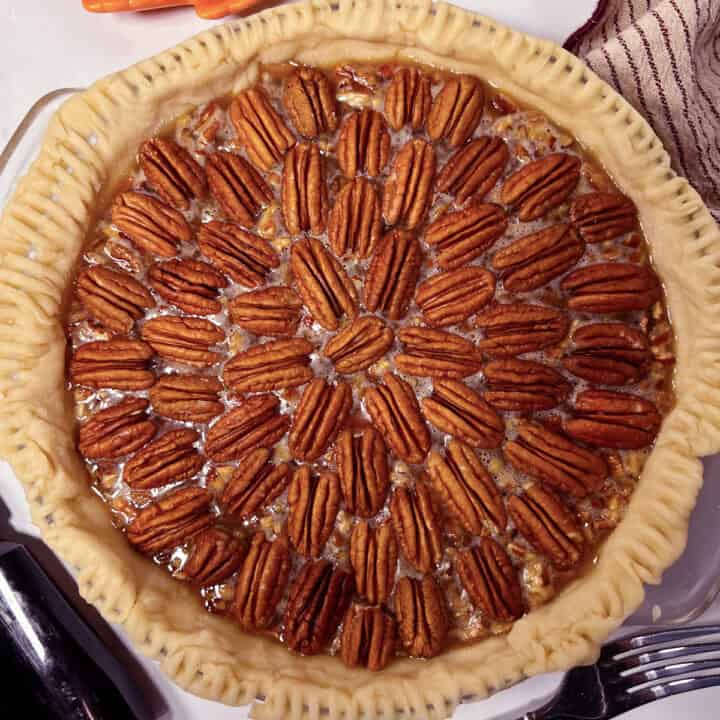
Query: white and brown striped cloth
(663, 56)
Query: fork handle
(580, 697)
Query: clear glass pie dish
(91, 138)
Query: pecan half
(516, 328)
(363, 145)
(416, 526)
(467, 489)
(214, 557)
(435, 353)
(453, 296)
(394, 410)
(254, 484)
(318, 600)
(609, 354)
(368, 637)
(310, 102)
(120, 363)
(171, 521)
(238, 188)
(116, 431)
(270, 311)
(408, 99)
(455, 409)
(152, 226)
(272, 365)
(326, 290)
(535, 259)
(184, 339)
(422, 616)
(355, 223)
(260, 129)
(474, 169)
(392, 274)
(321, 412)
(373, 556)
(524, 385)
(605, 418)
(245, 257)
(113, 298)
(408, 189)
(363, 470)
(171, 172)
(187, 398)
(169, 459)
(555, 460)
(254, 423)
(304, 192)
(313, 502)
(358, 345)
(541, 185)
(457, 110)
(491, 581)
(611, 288)
(601, 216)
(461, 236)
(548, 525)
(191, 285)
(261, 582)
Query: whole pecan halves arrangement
(370, 358)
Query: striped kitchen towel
(664, 57)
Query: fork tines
(637, 669)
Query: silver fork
(636, 670)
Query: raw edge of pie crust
(46, 222)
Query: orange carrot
(219, 8)
(209, 9)
(105, 6)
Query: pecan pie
(368, 359)
(553, 361)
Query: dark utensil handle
(45, 645)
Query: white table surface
(55, 43)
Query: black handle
(51, 657)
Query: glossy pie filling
(370, 356)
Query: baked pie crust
(42, 231)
